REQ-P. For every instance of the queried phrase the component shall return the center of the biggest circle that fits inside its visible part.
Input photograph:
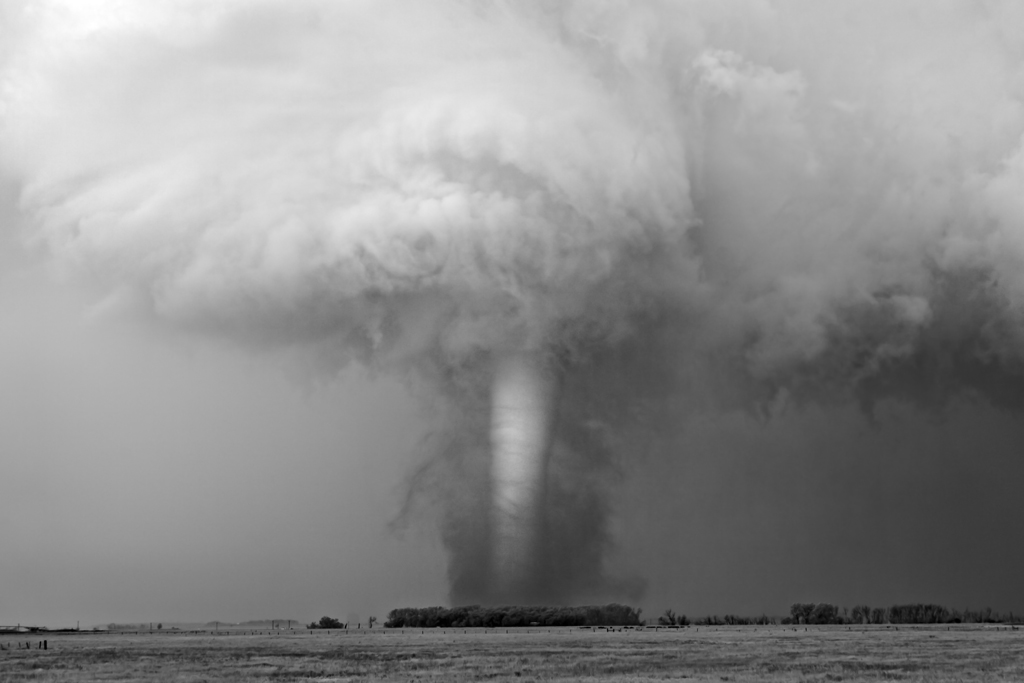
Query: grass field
(739, 654)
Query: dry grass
(738, 654)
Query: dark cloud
(764, 215)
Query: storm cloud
(753, 214)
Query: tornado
(703, 209)
(522, 405)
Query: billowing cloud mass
(667, 208)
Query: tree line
(331, 622)
(475, 616)
(827, 613)
(670, 618)
(913, 613)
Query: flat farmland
(737, 654)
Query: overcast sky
(258, 263)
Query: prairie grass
(743, 654)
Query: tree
(801, 612)
(824, 613)
(372, 621)
(327, 622)
(861, 614)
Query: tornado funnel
(521, 416)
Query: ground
(738, 654)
